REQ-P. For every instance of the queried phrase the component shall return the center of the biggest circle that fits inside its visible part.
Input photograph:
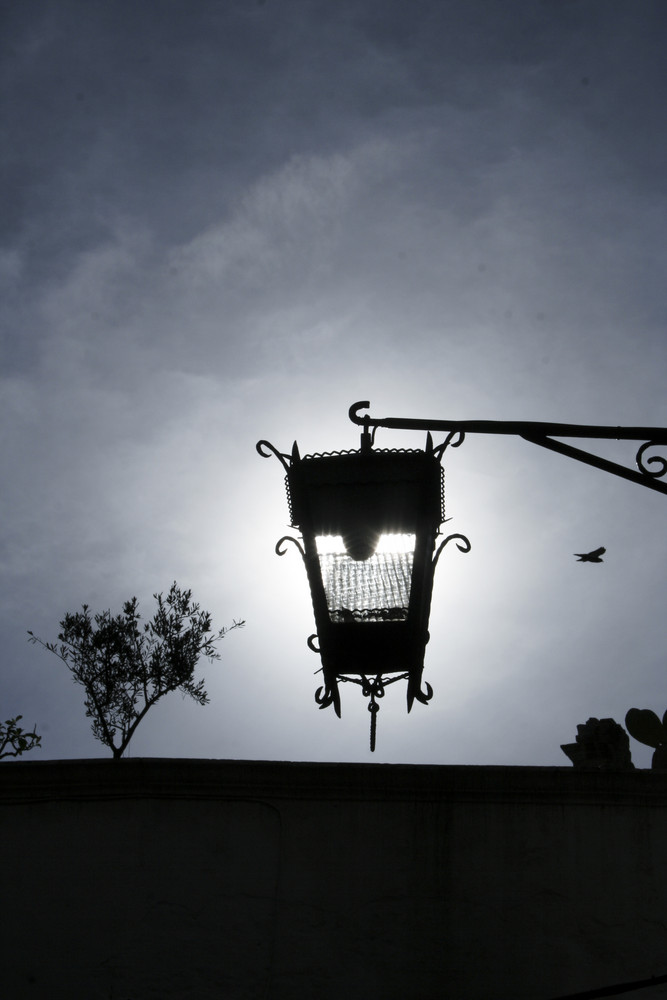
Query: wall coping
(101, 779)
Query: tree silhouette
(14, 740)
(126, 666)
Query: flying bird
(594, 556)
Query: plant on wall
(126, 666)
(14, 740)
(645, 726)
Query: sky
(229, 220)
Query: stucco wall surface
(133, 879)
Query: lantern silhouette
(369, 523)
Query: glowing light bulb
(387, 543)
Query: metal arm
(543, 434)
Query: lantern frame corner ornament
(370, 523)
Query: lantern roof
(397, 490)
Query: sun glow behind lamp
(369, 523)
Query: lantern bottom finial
(372, 687)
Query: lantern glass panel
(371, 589)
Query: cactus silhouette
(645, 726)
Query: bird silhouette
(594, 556)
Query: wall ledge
(101, 779)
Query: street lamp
(370, 525)
(369, 522)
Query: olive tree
(14, 740)
(125, 665)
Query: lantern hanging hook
(365, 422)
(354, 414)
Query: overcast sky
(226, 220)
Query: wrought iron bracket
(649, 472)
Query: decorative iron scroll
(266, 449)
(462, 544)
(415, 692)
(329, 695)
(453, 440)
(658, 460)
(280, 551)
